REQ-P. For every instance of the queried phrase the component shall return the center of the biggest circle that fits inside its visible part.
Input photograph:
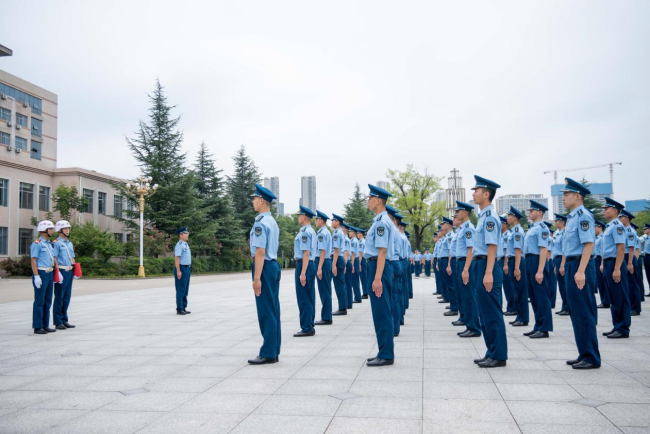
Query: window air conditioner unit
(18, 126)
(3, 96)
(10, 148)
(25, 104)
(9, 124)
(18, 150)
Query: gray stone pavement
(132, 365)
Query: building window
(129, 238)
(24, 240)
(90, 197)
(36, 150)
(21, 143)
(118, 236)
(4, 241)
(101, 203)
(117, 206)
(26, 198)
(21, 120)
(4, 191)
(5, 139)
(37, 127)
(43, 198)
(5, 114)
(22, 97)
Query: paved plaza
(132, 365)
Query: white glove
(60, 277)
(75, 277)
(37, 281)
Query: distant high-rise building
(637, 205)
(308, 192)
(383, 184)
(273, 184)
(280, 208)
(519, 201)
(454, 192)
(439, 196)
(598, 191)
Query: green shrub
(17, 267)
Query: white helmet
(44, 225)
(61, 224)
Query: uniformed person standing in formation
(417, 261)
(614, 268)
(445, 267)
(427, 263)
(362, 264)
(338, 265)
(535, 247)
(549, 275)
(408, 278)
(324, 268)
(348, 265)
(64, 255)
(646, 253)
(517, 268)
(630, 237)
(638, 268)
(559, 262)
(182, 271)
(488, 276)
(43, 263)
(465, 273)
(452, 269)
(580, 275)
(396, 288)
(304, 253)
(379, 254)
(354, 260)
(508, 288)
(600, 278)
(266, 271)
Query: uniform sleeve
(381, 235)
(542, 237)
(630, 239)
(586, 231)
(304, 241)
(518, 241)
(336, 241)
(321, 243)
(34, 249)
(469, 235)
(71, 250)
(492, 233)
(618, 233)
(56, 247)
(178, 250)
(259, 237)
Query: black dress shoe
(603, 306)
(364, 297)
(451, 313)
(491, 363)
(539, 335)
(530, 333)
(68, 325)
(370, 359)
(263, 360)
(323, 322)
(509, 313)
(357, 301)
(436, 293)
(617, 335)
(395, 335)
(573, 362)
(441, 297)
(457, 323)
(340, 312)
(608, 333)
(180, 312)
(443, 301)
(187, 311)
(635, 313)
(460, 333)
(380, 362)
(39, 332)
(49, 330)
(559, 312)
(584, 365)
(519, 324)
(483, 359)
(563, 313)
(302, 334)
(469, 334)
(350, 307)
(60, 327)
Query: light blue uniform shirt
(637, 245)
(338, 241)
(346, 246)
(454, 241)
(598, 247)
(305, 240)
(43, 251)
(354, 247)
(504, 244)
(487, 231)
(362, 245)
(630, 238)
(62, 257)
(380, 235)
(465, 239)
(406, 245)
(427, 257)
(580, 229)
(515, 241)
(182, 249)
(266, 235)
(398, 244)
(558, 243)
(445, 243)
(646, 245)
(324, 242)
(614, 234)
(536, 238)
(417, 257)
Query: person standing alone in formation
(182, 271)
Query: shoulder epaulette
(379, 218)
(38, 241)
(579, 212)
(615, 222)
(303, 229)
(259, 218)
(488, 213)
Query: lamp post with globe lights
(143, 187)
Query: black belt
(453, 258)
(186, 265)
(532, 255)
(401, 259)
(572, 258)
(462, 259)
(374, 258)
(479, 257)
(609, 259)
(300, 260)
(270, 260)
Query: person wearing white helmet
(64, 255)
(43, 263)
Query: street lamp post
(143, 187)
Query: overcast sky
(345, 90)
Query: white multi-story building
(521, 202)
(383, 184)
(308, 192)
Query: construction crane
(611, 172)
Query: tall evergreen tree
(241, 185)
(356, 211)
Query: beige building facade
(29, 173)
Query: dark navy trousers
(396, 295)
(364, 276)
(348, 284)
(600, 279)
(551, 282)
(561, 281)
(633, 287)
(355, 281)
(182, 286)
(418, 269)
(268, 309)
(467, 296)
(450, 284)
(489, 306)
(508, 287)
(325, 289)
(407, 286)
(520, 288)
(619, 297)
(440, 287)
(306, 295)
(539, 297)
(584, 314)
(646, 265)
(62, 295)
(42, 300)
(427, 268)
(339, 284)
(382, 317)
